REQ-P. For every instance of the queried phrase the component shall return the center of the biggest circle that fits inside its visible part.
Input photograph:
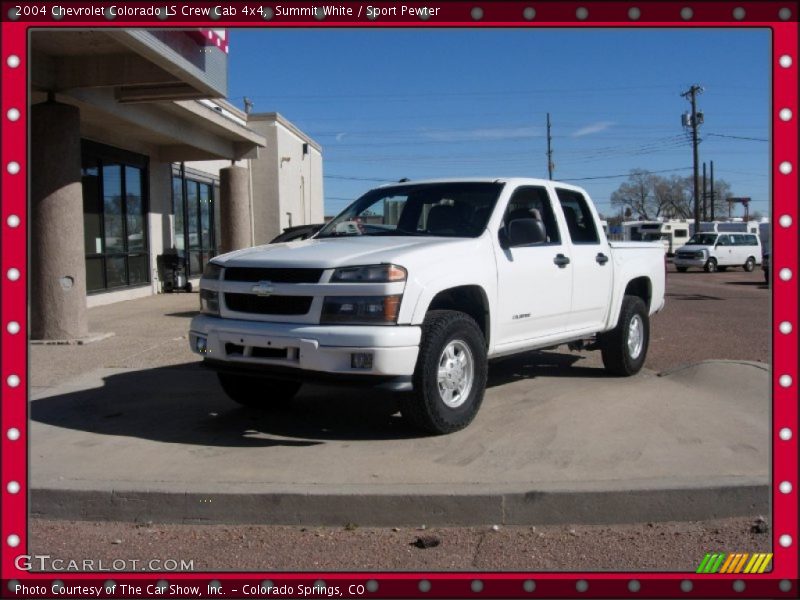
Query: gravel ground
(647, 547)
(720, 316)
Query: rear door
(592, 269)
(534, 292)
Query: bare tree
(647, 196)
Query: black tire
(618, 358)
(749, 264)
(258, 392)
(682, 269)
(766, 276)
(425, 408)
(187, 287)
(711, 265)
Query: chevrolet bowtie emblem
(263, 288)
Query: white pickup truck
(416, 285)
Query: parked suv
(718, 251)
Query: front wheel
(624, 348)
(258, 392)
(711, 265)
(450, 375)
(750, 264)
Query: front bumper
(689, 262)
(313, 348)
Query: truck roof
(514, 180)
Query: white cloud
(491, 133)
(593, 128)
(340, 136)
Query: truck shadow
(537, 364)
(184, 404)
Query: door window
(531, 202)
(578, 215)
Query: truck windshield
(702, 239)
(459, 209)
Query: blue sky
(429, 103)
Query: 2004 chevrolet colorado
(415, 286)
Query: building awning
(154, 90)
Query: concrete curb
(381, 510)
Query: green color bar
(703, 563)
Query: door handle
(561, 260)
(601, 258)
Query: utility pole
(711, 174)
(705, 194)
(549, 151)
(695, 119)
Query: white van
(718, 251)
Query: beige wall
(285, 181)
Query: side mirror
(522, 232)
(502, 238)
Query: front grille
(268, 305)
(273, 275)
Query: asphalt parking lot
(708, 317)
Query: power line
(622, 175)
(738, 137)
(354, 178)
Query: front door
(534, 292)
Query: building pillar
(58, 269)
(234, 208)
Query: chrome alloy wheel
(456, 373)
(635, 337)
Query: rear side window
(532, 202)
(582, 229)
(681, 233)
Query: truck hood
(329, 253)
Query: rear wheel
(258, 392)
(750, 264)
(624, 348)
(682, 269)
(766, 276)
(450, 376)
(711, 265)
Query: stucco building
(133, 151)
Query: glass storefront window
(114, 216)
(193, 206)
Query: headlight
(700, 254)
(361, 310)
(212, 271)
(209, 302)
(369, 274)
